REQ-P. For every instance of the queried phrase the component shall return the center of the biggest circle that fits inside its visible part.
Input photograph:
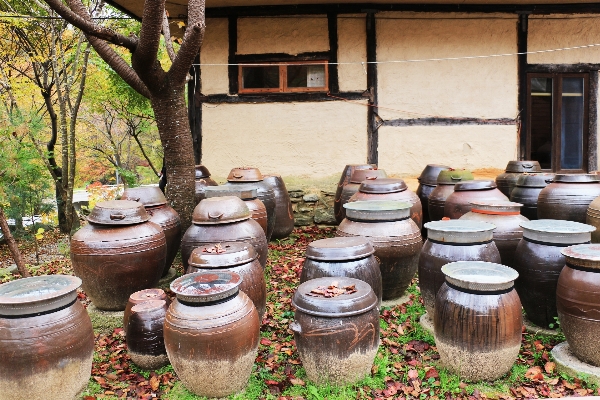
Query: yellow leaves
(180, 24)
(39, 235)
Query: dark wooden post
(372, 128)
(233, 69)
(332, 24)
(195, 108)
(522, 29)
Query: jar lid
(36, 295)
(496, 207)
(557, 231)
(206, 287)
(222, 255)
(460, 231)
(357, 297)
(243, 191)
(480, 276)
(360, 175)
(220, 210)
(523, 166)
(118, 212)
(201, 172)
(382, 186)
(583, 255)
(340, 249)
(149, 306)
(245, 174)
(476, 184)
(452, 176)
(430, 174)
(149, 196)
(577, 178)
(375, 210)
(148, 294)
(535, 180)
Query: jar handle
(136, 199)
(527, 166)
(117, 217)
(237, 175)
(295, 327)
(550, 180)
(214, 216)
(455, 178)
(371, 178)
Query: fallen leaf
(413, 374)
(535, 374)
(549, 367)
(297, 381)
(154, 383)
(431, 373)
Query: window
(303, 76)
(557, 123)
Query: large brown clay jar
(507, 180)
(284, 214)
(358, 176)
(568, 197)
(465, 193)
(211, 333)
(237, 257)
(393, 189)
(337, 337)
(593, 218)
(161, 213)
(202, 181)
(119, 252)
(46, 339)
(395, 237)
(450, 241)
(344, 180)
(351, 257)
(223, 219)
(527, 191)
(249, 194)
(141, 297)
(445, 187)
(144, 331)
(539, 262)
(427, 183)
(478, 320)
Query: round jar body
(437, 201)
(140, 297)
(593, 218)
(528, 196)
(344, 180)
(567, 201)
(200, 185)
(416, 209)
(259, 213)
(423, 193)
(459, 202)
(267, 196)
(144, 331)
(115, 261)
(284, 214)
(168, 219)
(507, 181)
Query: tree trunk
(12, 245)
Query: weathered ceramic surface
(358, 176)
(593, 218)
(144, 331)
(284, 215)
(202, 181)
(142, 296)
(526, 191)
(248, 193)
(465, 193)
(427, 183)
(344, 180)
(430, 174)
(118, 212)
(568, 197)
(220, 210)
(267, 197)
(445, 187)
(507, 180)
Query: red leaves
(332, 290)
(534, 374)
(431, 373)
(216, 249)
(549, 367)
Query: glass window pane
(260, 77)
(299, 76)
(541, 121)
(572, 118)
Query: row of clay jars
(568, 197)
(507, 180)
(358, 176)
(427, 184)
(445, 187)
(344, 180)
(202, 181)
(284, 214)
(465, 193)
(527, 190)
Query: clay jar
(237, 257)
(46, 339)
(337, 337)
(211, 333)
(539, 262)
(202, 181)
(445, 187)
(514, 169)
(161, 213)
(223, 219)
(395, 237)
(343, 256)
(284, 214)
(390, 189)
(465, 193)
(344, 180)
(427, 183)
(449, 241)
(144, 331)
(358, 176)
(527, 190)
(478, 320)
(249, 194)
(140, 297)
(568, 197)
(507, 218)
(593, 218)
(265, 193)
(119, 252)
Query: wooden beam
(280, 98)
(273, 57)
(372, 127)
(195, 109)
(232, 70)
(522, 34)
(448, 121)
(562, 68)
(332, 25)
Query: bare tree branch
(144, 59)
(187, 52)
(167, 35)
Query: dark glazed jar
(140, 297)
(445, 187)
(211, 333)
(593, 218)
(161, 213)
(527, 191)
(465, 193)
(119, 252)
(46, 339)
(390, 189)
(568, 197)
(352, 186)
(395, 237)
(337, 337)
(539, 262)
(284, 215)
(351, 257)
(249, 194)
(344, 180)
(202, 181)
(507, 218)
(237, 257)
(223, 219)
(514, 169)
(427, 183)
(144, 331)
(450, 241)
(478, 320)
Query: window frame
(283, 87)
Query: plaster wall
(215, 50)
(352, 47)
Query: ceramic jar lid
(577, 178)
(458, 231)
(535, 180)
(220, 210)
(496, 207)
(245, 174)
(453, 176)
(360, 175)
(374, 211)
(430, 174)
(201, 172)
(149, 196)
(118, 212)
(148, 307)
(206, 287)
(556, 231)
(222, 255)
(147, 295)
(382, 186)
(480, 276)
(476, 184)
(32, 296)
(583, 255)
(306, 299)
(339, 249)
(243, 191)
(523, 166)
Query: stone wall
(312, 206)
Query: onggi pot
(514, 169)
(568, 197)
(358, 176)
(144, 331)
(465, 193)
(249, 194)
(445, 187)
(284, 215)
(344, 180)
(141, 297)
(202, 181)
(427, 183)
(593, 218)
(527, 190)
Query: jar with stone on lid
(465, 193)
(445, 187)
(427, 183)
(249, 194)
(568, 197)
(527, 190)
(507, 180)
(284, 214)
(202, 181)
(344, 180)
(358, 176)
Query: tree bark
(12, 245)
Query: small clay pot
(514, 169)
(144, 331)
(140, 297)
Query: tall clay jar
(427, 183)
(119, 252)
(144, 331)
(527, 190)
(161, 213)
(337, 337)
(46, 339)
(478, 320)
(450, 241)
(237, 257)
(568, 197)
(284, 214)
(223, 219)
(142, 296)
(395, 237)
(211, 333)
(390, 189)
(352, 186)
(445, 187)
(465, 193)
(507, 218)
(344, 180)
(593, 218)
(343, 256)
(202, 181)
(249, 194)
(514, 169)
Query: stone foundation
(312, 206)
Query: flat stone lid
(220, 210)
(476, 184)
(243, 191)
(583, 255)
(339, 249)
(374, 210)
(118, 212)
(480, 275)
(206, 287)
(523, 166)
(460, 231)
(222, 255)
(557, 231)
(382, 186)
(245, 174)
